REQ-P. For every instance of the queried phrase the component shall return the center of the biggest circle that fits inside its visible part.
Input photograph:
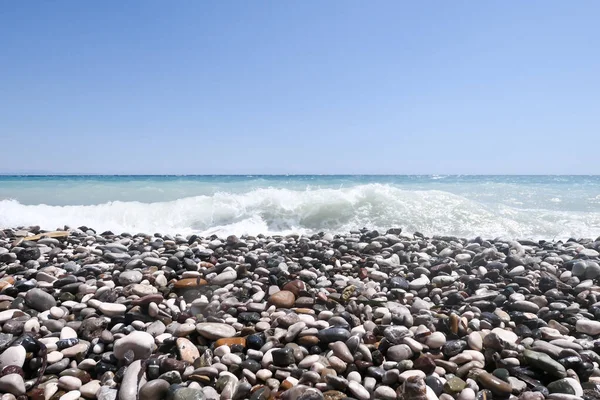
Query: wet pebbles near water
(367, 315)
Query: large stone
(12, 383)
(227, 276)
(14, 355)
(129, 385)
(141, 343)
(154, 390)
(544, 362)
(588, 326)
(130, 276)
(187, 351)
(39, 300)
(283, 299)
(399, 352)
(566, 386)
(112, 309)
(215, 330)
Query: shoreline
(363, 315)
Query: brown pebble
(283, 299)
(190, 283)
(295, 286)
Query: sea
(511, 207)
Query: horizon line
(273, 174)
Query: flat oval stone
(399, 352)
(283, 299)
(112, 309)
(190, 283)
(215, 330)
(39, 300)
(496, 385)
(333, 335)
(154, 390)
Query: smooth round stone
(341, 351)
(454, 385)
(141, 343)
(385, 393)
(14, 355)
(215, 330)
(435, 340)
(358, 391)
(545, 363)
(112, 309)
(475, 341)
(72, 395)
(129, 384)
(496, 385)
(399, 352)
(130, 276)
(333, 335)
(419, 283)
(90, 389)
(506, 335)
(39, 300)
(69, 383)
(466, 394)
(68, 333)
(227, 276)
(588, 327)
(566, 386)
(12, 383)
(54, 357)
(283, 299)
(57, 312)
(154, 390)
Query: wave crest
(273, 210)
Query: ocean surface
(533, 207)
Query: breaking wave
(277, 210)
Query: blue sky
(300, 87)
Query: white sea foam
(271, 210)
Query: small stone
(454, 385)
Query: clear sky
(198, 87)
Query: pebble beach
(364, 315)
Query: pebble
(140, 343)
(213, 330)
(367, 314)
(12, 383)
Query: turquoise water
(549, 207)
